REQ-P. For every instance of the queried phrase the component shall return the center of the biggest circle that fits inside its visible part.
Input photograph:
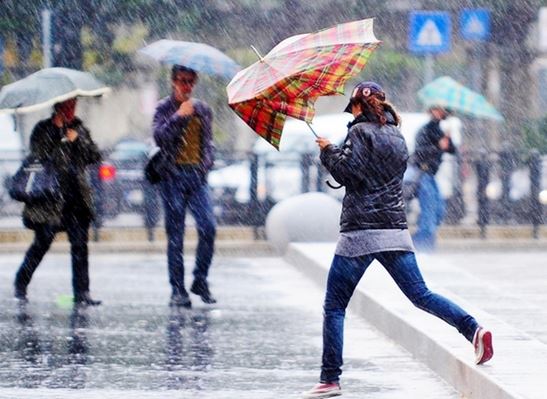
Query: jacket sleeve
(347, 164)
(208, 149)
(168, 127)
(451, 147)
(47, 148)
(42, 146)
(87, 151)
(427, 144)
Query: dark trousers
(187, 190)
(77, 227)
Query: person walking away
(63, 140)
(183, 130)
(370, 164)
(431, 144)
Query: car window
(129, 150)
(298, 138)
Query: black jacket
(427, 154)
(71, 160)
(370, 164)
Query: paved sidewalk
(261, 341)
(504, 291)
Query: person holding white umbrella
(64, 141)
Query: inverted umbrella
(47, 87)
(198, 56)
(288, 80)
(447, 92)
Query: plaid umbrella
(199, 56)
(288, 80)
(446, 92)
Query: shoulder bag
(35, 182)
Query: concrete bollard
(309, 217)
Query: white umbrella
(47, 87)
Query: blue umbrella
(446, 92)
(199, 56)
(47, 87)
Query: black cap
(362, 90)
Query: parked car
(280, 173)
(121, 186)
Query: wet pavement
(262, 340)
(503, 289)
(510, 285)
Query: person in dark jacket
(63, 140)
(370, 164)
(183, 131)
(431, 144)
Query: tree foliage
(90, 34)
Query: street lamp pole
(46, 37)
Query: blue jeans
(431, 213)
(188, 188)
(345, 273)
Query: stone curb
(222, 248)
(448, 236)
(246, 245)
(446, 354)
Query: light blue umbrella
(199, 56)
(448, 93)
(46, 87)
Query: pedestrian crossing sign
(475, 24)
(430, 32)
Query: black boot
(201, 288)
(21, 294)
(84, 299)
(180, 300)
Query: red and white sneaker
(323, 390)
(482, 341)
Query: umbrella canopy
(47, 87)
(199, 56)
(288, 80)
(446, 92)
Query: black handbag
(35, 182)
(156, 166)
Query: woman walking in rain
(370, 164)
(66, 142)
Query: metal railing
(486, 189)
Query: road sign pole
(475, 67)
(46, 37)
(429, 34)
(428, 68)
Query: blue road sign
(475, 24)
(430, 32)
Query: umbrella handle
(313, 131)
(257, 53)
